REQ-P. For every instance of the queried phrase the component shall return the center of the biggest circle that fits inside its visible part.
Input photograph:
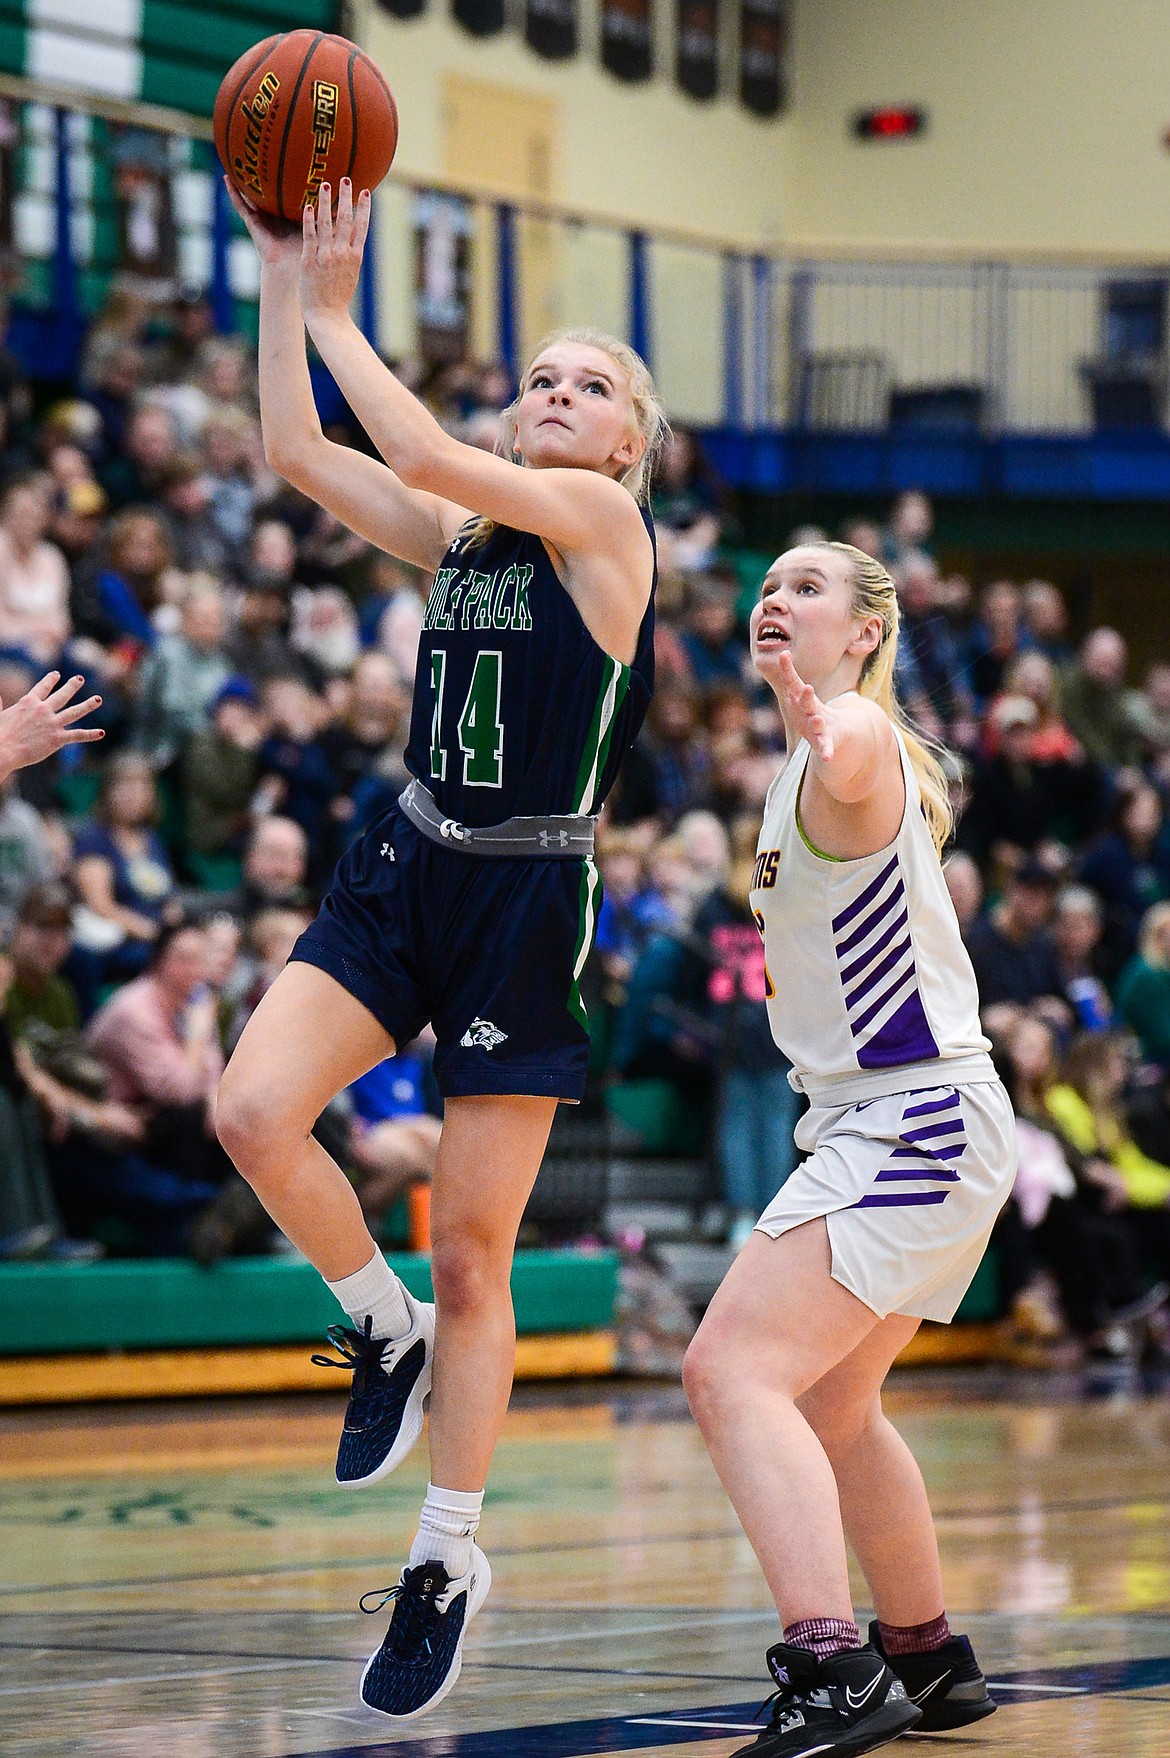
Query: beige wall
(1046, 118)
(643, 153)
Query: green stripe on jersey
(615, 682)
(586, 929)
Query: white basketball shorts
(910, 1186)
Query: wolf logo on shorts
(481, 1034)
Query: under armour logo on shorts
(388, 852)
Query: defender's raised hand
(803, 708)
(333, 245)
(43, 721)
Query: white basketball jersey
(867, 972)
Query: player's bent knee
(249, 1130)
(467, 1275)
(839, 1426)
(708, 1371)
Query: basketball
(301, 109)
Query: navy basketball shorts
(489, 952)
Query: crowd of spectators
(255, 661)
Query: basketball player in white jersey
(910, 1155)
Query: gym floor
(183, 1578)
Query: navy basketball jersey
(517, 710)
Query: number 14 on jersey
(479, 728)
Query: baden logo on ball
(301, 109)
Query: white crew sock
(447, 1525)
(375, 1292)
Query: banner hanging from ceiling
(480, 18)
(763, 50)
(627, 38)
(697, 51)
(550, 28)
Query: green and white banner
(172, 52)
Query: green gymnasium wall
(172, 52)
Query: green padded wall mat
(164, 1303)
(982, 1303)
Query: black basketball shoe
(422, 1651)
(847, 1704)
(945, 1683)
(391, 1382)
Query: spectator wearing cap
(76, 522)
(1032, 676)
(221, 770)
(1012, 949)
(40, 946)
(181, 678)
(1104, 715)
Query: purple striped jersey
(864, 957)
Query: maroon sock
(823, 1637)
(915, 1638)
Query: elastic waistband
(565, 838)
(850, 1089)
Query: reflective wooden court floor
(183, 1580)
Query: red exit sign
(899, 123)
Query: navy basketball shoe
(422, 1651)
(391, 1382)
(847, 1704)
(946, 1683)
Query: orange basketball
(302, 109)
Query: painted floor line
(63, 1688)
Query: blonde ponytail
(649, 417)
(874, 594)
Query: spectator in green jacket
(1143, 989)
(1102, 713)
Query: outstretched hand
(276, 240)
(803, 709)
(43, 721)
(333, 247)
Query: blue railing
(808, 374)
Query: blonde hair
(649, 416)
(874, 595)
(1150, 937)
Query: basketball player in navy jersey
(472, 903)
